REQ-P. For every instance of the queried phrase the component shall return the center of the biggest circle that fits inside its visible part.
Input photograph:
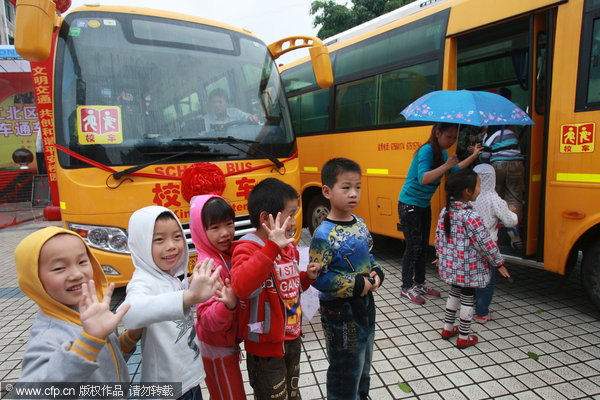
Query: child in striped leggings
(465, 252)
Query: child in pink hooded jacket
(212, 227)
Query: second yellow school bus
(546, 52)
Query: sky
(270, 20)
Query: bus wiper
(120, 174)
(228, 139)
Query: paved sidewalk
(543, 343)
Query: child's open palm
(205, 282)
(276, 230)
(96, 317)
(226, 295)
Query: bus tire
(318, 209)
(590, 272)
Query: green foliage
(334, 18)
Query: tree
(335, 18)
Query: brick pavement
(538, 313)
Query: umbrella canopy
(466, 107)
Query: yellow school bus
(546, 52)
(124, 100)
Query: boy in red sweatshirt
(266, 279)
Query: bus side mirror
(319, 55)
(33, 29)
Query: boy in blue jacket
(349, 275)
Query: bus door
(511, 58)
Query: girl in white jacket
(162, 304)
(491, 208)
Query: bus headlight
(106, 238)
(98, 237)
(118, 243)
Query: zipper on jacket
(349, 263)
(276, 284)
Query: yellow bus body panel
(87, 199)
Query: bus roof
(382, 20)
(461, 18)
(159, 13)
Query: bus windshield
(135, 89)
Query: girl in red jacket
(212, 226)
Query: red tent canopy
(14, 83)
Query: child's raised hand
(512, 208)
(96, 317)
(226, 295)
(375, 285)
(205, 282)
(312, 270)
(276, 230)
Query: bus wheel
(590, 272)
(318, 209)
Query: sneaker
(464, 343)
(412, 295)
(446, 335)
(424, 289)
(484, 319)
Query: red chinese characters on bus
(245, 186)
(167, 195)
(578, 138)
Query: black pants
(416, 222)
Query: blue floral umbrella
(466, 107)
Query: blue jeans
(483, 296)
(349, 326)
(416, 225)
(194, 393)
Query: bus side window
(594, 77)
(356, 104)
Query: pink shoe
(446, 335)
(483, 320)
(464, 343)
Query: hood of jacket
(27, 256)
(203, 246)
(487, 174)
(141, 231)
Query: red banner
(42, 74)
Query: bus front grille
(242, 227)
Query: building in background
(7, 27)
(19, 124)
